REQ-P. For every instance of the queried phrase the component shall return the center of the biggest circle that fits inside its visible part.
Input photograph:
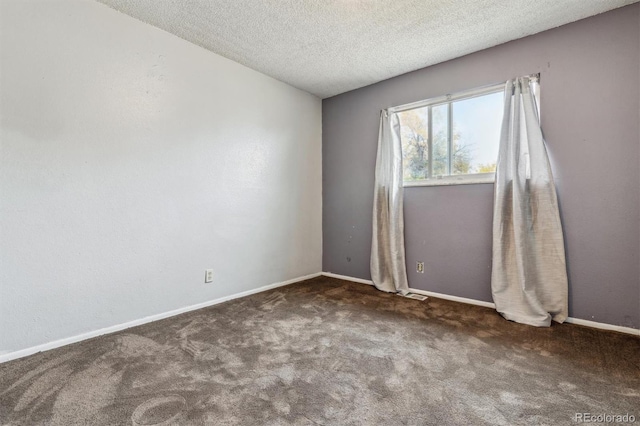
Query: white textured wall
(131, 161)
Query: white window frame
(473, 178)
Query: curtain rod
(451, 96)
(535, 76)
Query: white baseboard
(4, 357)
(570, 320)
(344, 277)
(603, 326)
(454, 298)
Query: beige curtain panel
(529, 274)
(388, 267)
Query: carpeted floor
(328, 352)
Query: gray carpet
(328, 352)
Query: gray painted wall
(590, 74)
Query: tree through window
(452, 138)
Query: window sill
(454, 180)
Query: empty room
(310, 212)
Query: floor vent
(416, 296)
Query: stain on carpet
(328, 352)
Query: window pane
(476, 133)
(414, 126)
(440, 117)
(464, 139)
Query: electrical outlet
(208, 275)
(420, 267)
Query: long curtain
(529, 274)
(388, 268)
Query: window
(452, 139)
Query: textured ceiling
(328, 47)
